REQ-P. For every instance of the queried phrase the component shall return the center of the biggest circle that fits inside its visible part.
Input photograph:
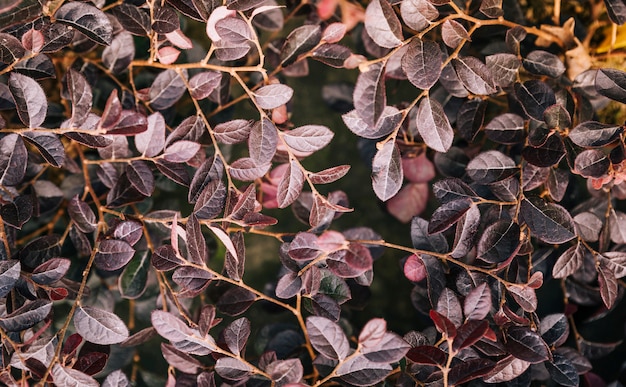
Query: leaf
(204, 83)
(272, 96)
(422, 240)
(616, 11)
(30, 100)
(414, 268)
(491, 166)
(11, 50)
(417, 14)
(17, 212)
(422, 62)
(477, 303)
(329, 175)
(491, 8)
(428, 355)
(262, 142)
(289, 285)
(443, 324)
(233, 132)
(151, 141)
(181, 151)
(474, 75)
(504, 67)
(298, 42)
(499, 242)
(382, 24)
(359, 371)
(165, 20)
(526, 345)
(166, 89)
(286, 371)
(334, 55)
(134, 278)
(507, 369)
(450, 189)
(327, 337)
(386, 124)
(116, 379)
(118, 56)
(98, 326)
(56, 36)
(448, 214)
(434, 126)
(525, 296)
(569, 262)
(547, 221)
(140, 177)
(232, 368)
(179, 359)
(594, 134)
(469, 369)
(80, 95)
(87, 19)
(592, 163)
(26, 316)
(611, 83)
(541, 62)
(113, 254)
(448, 305)
(369, 93)
(133, 19)
(81, 214)
(236, 335)
(65, 376)
(308, 138)
(535, 96)
(290, 185)
(387, 171)
(453, 33)
(608, 285)
(236, 301)
(13, 157)
(48, 145)
(9, 274)
(507, 128)
(390, 348)
(554, 329)
(562, 371)
(211, 200)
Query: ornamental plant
(148, 147)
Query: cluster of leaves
(128, 190)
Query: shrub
(144, 145)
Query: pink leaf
(409, 202)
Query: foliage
(137, 163)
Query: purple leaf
(327, 337)
(526, 345)
(369, 94)
(448, 305)
(80, 95)
(11, 50)
(609, 82)
(26, 316)
(290, 185)
(299, 41)
(233, 132)
(81, 214)
(389, 349)
(477, 304)
(48, 145)
(547, 221)
(99, 326)
(434, 126)
(236, 301)
(140, 177)
(329, 175)
(232, 368)
(453, 33)
(179, 359)
(113, 254)
(474, 75)
(236, 335)
(71, 377)
(491, 166)
(289, 372)
(9, 274)
(382, 24)
(428, 355)
(118, 56)
(387, 171)
(308, 138)
(165, 258)
(202, 84)
(422, 63)
(359, 371)
(134, 19)
(166, 89)
(181, 151)
(417, 14)
(499, 241)
(272, 96)
(87, 19)
(150, 142)
(262, 142)
(30, 100)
